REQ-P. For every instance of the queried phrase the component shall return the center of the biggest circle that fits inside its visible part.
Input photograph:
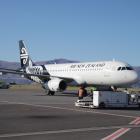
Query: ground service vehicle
(105, 99)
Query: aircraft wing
(43, 76)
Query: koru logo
(24, 56)
(24, 61)
(23, 51)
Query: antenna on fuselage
(113, 60)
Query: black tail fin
(24, 56)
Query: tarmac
(32, 115)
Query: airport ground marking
(70, 109)
(117, 134)
(136, 121)
(122, 131)
(64, 131)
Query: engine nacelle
(55, 84)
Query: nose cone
(133, 77)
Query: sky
(81, 30)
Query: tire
(50, 93)
(102, 105)
(139, 105)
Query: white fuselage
(107, 73)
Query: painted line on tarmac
(122, 131)
(117, 134)
(70, 109)
(63, 131)
(136, 121)
(3, 102)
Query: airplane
(56, 77)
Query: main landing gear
(50, 93)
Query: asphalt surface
(32, 115)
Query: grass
(38, 87)
(26, 87)
(134, 90)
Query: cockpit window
(129, 68)
(119, 68)
(124, 68)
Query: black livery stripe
(45, 72)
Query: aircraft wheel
(50, 93)
(102, 105)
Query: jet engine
(55, 84)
